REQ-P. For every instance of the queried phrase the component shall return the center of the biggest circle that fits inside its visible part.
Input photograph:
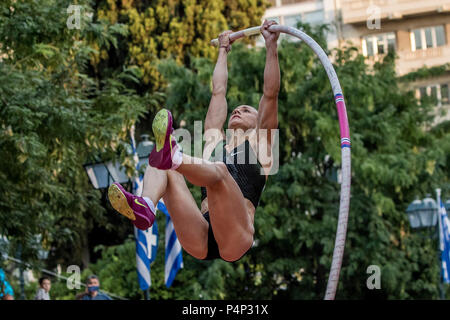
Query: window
(284, 2)
(440, 36)
(437, 93)
(391, 43)
(378, 44)
(434, 94)
(422, 93)
(430, 37)
(291, 21)
(445, 94)
(312, 17)
(417, 38)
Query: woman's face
(243, 117)
(46, 285)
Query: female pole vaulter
(233, 178)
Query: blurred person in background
(44, 289)
(6, 291)
(93, 290)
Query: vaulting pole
(345, 146)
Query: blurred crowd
(92, 291)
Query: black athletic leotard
(244, 167)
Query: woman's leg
(155, 184)
(199, 172)
(190, 226)
(229, 215)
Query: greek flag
(146, 245)
(444, 241)
(146, 241)
(174, 257)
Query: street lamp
(103, 174)
(143, 149)
(424, 214)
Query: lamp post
(425, 214)
(103, 174)
(422, 213)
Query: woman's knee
(222, 170)
(194, 240)
(221, 173)
(174, 176)
(198, 251)
(234, 251)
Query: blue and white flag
(146, 241)
(174, 257)
(444, 237)
(146, 245)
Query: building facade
(417, 30)
(314, 12)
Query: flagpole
(143, 249)
(441, 282)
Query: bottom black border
(263, 309)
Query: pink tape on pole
(342, 115)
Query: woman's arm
(218, 109)
(268, 106)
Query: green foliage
(426, 72)
(176, 29)
(393, 161)
(54, 117)
(70, 96)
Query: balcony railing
(409, 61)
(412, 60)
(286, 2)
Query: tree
(175, 29)
(69, 96)
(54, 117)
